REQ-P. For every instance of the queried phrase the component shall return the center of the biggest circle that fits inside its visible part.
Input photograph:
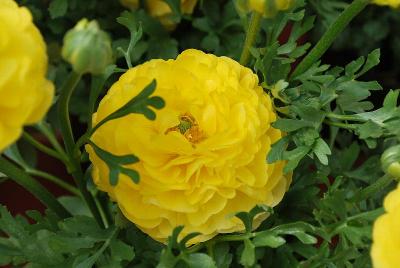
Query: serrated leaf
(277, 149)
(322, 150)
(115, 164)
(294, 157)
(373, 60)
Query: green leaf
(75, 205)
(222, 257)
(277, 149)
(248, 256)
(115, 164)
(289, 125)
(268, 239)
(200, 260)
(120, 251)
(321, 150)
(294, 157)
(373, 60)
(139, 105)
(58, 8)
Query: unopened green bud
(390, 161)
(87, 48)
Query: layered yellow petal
(196, 182)
(25, 93)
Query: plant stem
(251, 35)
(340, 125)
(74, 155)
(26, 181)
(63, 111)
(54, 180)
(330, 36)
(46, 131)
(369, 191)
(344, 117)
(41, 147)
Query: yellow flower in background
(204, 157)
(132, 4)
(392, 3)
(25, 93)
(386, 234)
(160, 10)
(268, 8)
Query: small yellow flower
(268, 8)
(25, 93)
(386, 234)
(160, 10)
(204, 157)
(392, 3)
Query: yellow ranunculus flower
(25, 93)
(204, 157)
(160, 9)
(392, 3)
(266, 7)
(386, 234)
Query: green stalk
(251, 35)
(43, 148)
(48, 133)
(63, 111)
(330, 36)
(372, 189)
(54, 180)
(26, 181)
(74, 155)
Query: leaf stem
(251, 35)
(30, 184)
(54, 180)
(43, 148)
(330, 36)
(48, 133)
(339, 125)
(74, 155)
(369, 191)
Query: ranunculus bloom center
(189, 128)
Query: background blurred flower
(160, 10)
(386, 234)
(268, 8)
(392, 3)
(204, 157)
(25, 93)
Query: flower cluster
(386, 234)
(160, 9)
(25, 93)
(204, 157)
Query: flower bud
(390, 161)
(268, 8)
(87, 48)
